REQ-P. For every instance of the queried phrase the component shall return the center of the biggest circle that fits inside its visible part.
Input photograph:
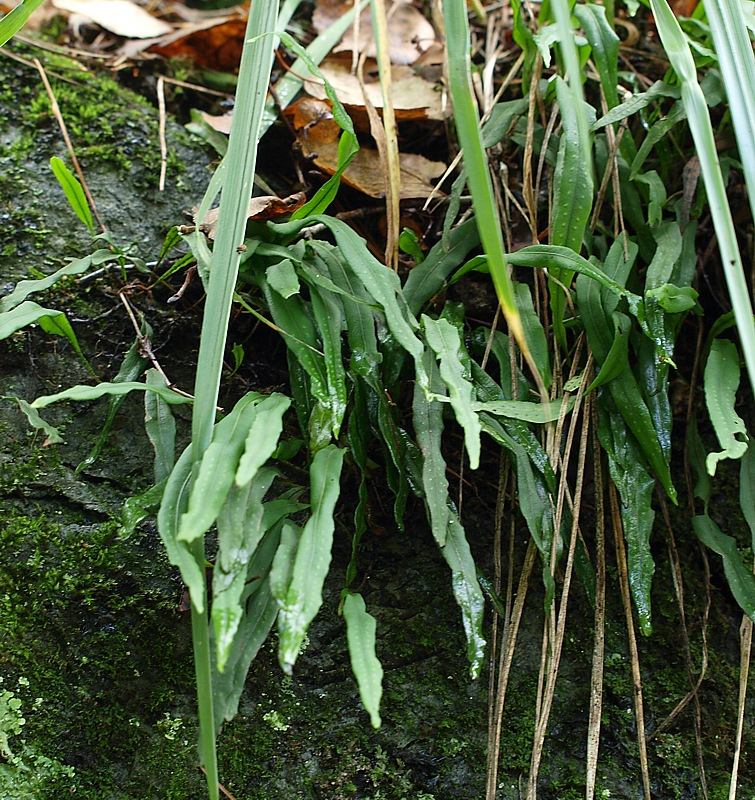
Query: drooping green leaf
(467, 592)
(721, 381)
(360, 634)
(262, 439)
(636, 103)
(300, 597)
(217, 468)
(360, 317)
(160, 427)
(428, 428)
(174, 501)
(636, 488)
(35, 420)
(137, 508)
(443, 338)
(132, 366)
(240, 530)
(382, 284)
(740, 579)
(95, 392)
(329, 315)
(77, 267)
(260, 610)
(539, 413)
(283, 278)
(74, 192)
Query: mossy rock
(115, 135)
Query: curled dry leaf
(317, 134)
(261, 209)
(121, 17)
(211, 44)
(413, 96)
(409, 33)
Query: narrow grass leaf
(360, 634)
(721, 381)
(73, 191)
(302, 598)
(15, 19)
(475, 161)
(444, 340)
(534, 331)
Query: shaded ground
(96, 648)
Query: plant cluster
(381, 367)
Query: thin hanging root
(598, 651)
(554, 643)
(695, 683)
(504, 667)
(639, 707)
(745, 647)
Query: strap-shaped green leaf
(240, 530)
(160, 427)
(260, 610)
(382, 284)
(740, 579)
(721, 381)
(360, 634)
(217, 469)
(636, 488)
(263, 436)
(301, 597)
(428, 428)
(572, 192)
(174, 501)
(605, 47)
(102, 389)
(467, 592)
(77, 267)
(444, 339)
